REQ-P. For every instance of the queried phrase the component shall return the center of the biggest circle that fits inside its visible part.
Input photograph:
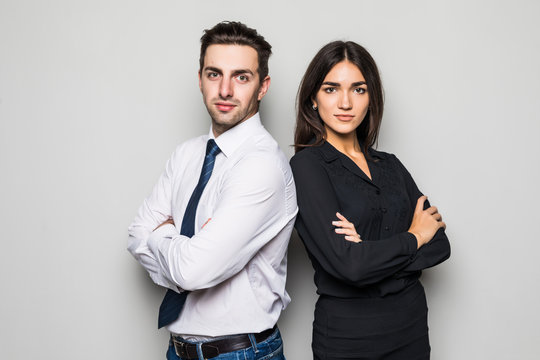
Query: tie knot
(212, 148)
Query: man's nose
(225, 89)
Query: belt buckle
(179, 348)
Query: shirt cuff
(410, 243)
(161, 234)
(159, 241)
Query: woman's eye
(360, 90)
(330, 90)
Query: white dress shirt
(235, 266)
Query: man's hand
(168, 221)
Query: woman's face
(343, 99)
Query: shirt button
(383, 210)
(387, 228)
(378, 192)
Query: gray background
(95, 95)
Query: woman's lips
(344, 117)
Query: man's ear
(265, 84)
(200, 82)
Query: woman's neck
(348, 144)
(345, 143)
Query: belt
(212, 349)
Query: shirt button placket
(383, 211)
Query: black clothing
(393, 327)
(386, 262)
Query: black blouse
(386, 261)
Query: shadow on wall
(302, 291)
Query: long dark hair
(309, 125)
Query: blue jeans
(271, 348)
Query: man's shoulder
(261, 153)
(191, 144)
(262, 145)
(196, 141)
(186, 150)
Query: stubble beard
(222, 122)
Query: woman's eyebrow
(331, 83)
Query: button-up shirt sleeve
(154, 211)
(250, 211)
(437, 249)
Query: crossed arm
(249, 212)
(356, 261)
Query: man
(215, 229)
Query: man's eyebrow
(234, 73)
(213, 69)
(242, 71)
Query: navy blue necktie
(173, 302)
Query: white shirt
(235, 266)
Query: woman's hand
(343, 226)
(425, 223)
(207, 221)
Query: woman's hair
(309, 125)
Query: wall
(95, 95)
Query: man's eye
(242, 77)
(213, 75)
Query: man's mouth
(225, 107)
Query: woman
(367, 228)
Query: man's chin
(225, 120)
(223, 123)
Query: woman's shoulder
(309, 154)
(387, 160)
(322, 153)
(308, 162)
(381, 155)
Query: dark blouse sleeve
(358, 264)
(438, 249)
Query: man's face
(230, 85)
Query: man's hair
(236, 33)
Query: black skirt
(391, 327)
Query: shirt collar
(231, 139)
(330, 153)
